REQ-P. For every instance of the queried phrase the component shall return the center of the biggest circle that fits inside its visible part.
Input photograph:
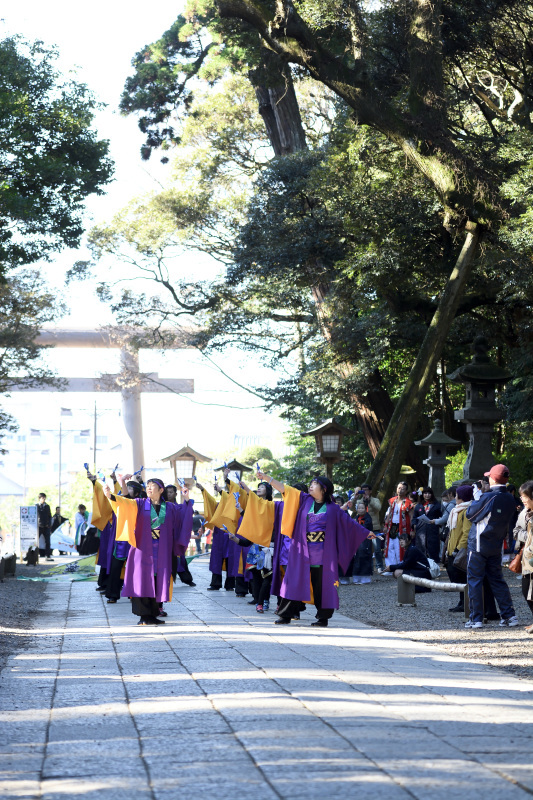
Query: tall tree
(50, 157)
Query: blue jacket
(490, 515)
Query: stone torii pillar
(129, 382)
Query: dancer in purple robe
(323, 537)
(154, 529)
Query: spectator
(373, 506)
(426, 532)
(413, 563)
(361, 566)
(526, 496)
(44, 519)
(490, 515)
(509, 546)
(57, 519)
(397, 522)
(458, 530)
(198, 530)
(81, 521)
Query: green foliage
(454, 470)
(50, 158)
(26, 303)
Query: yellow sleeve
(291, 506)
(117, 488)
(258, 521)
(210, 506)
(102, 511)
(465, 530)
(225, 514)
(126, 512)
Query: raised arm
(280, 487)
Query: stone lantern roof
(437, 437)
(481, 369)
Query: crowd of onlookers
(472, 530)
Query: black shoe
(150, 621)
(320, 623)
(192, 583)
(240, 594)
(457, 608)
(111, 601)
(296, 616)
(100, 588)
(251, 602)
(282, 621)
(213, 588)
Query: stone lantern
(236, 467)
(328, 438)
(480, 413)
(437, 443)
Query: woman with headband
(323, 537)
(155, 530)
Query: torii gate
(129, 382)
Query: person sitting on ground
(414, 563)
(526, 496)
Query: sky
(96, 42)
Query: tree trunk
(402, 426)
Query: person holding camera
(373, 507)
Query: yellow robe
(102, 511)
(226, 512)
(258, 521)
(125, 509)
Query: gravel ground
(509, 649)
(20, 602)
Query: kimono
(342, 537)
(404, 526)
(148, 568)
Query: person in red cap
(490, 517)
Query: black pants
(257, 582)
(103, 577)
(185, 576)
(264, 592)
(289, 608)
(526, 580)
(241, 586)
(456, 576)
(144, 606)
(45, 533)
(216, 582)
(114, 581)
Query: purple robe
(219, 551)
(104, 554)
(175, 533)
(343, 535)
(278, 546)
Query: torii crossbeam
(129, 382)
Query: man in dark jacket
(490, 517)
(44, 519)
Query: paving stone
(220, 702)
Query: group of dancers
(290, 548)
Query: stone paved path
(220, 703)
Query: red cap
(499, 473)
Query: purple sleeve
(182, 527)
(349, 536)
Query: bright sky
(96, 42)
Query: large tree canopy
(407, 222)
(50, 157)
